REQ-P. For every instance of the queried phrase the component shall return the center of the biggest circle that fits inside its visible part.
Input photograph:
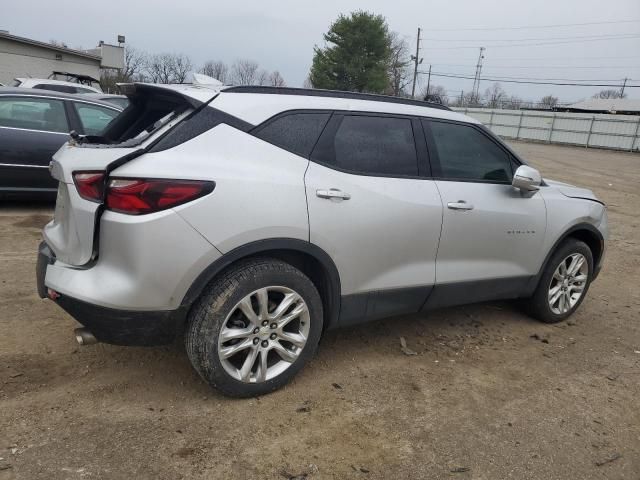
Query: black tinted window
(297, 132)
(375, 146)
(466, 153)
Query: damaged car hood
(572, 191)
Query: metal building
(23, 57)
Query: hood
(572, 191)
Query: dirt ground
(491, 394)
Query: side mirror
(527, 179)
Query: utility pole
(417, 61)
(623, 86)
(476, 81)
(429, 80)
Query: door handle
(333, 193)
(460, 205)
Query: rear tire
(254, 327)
(564, 283)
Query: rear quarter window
(295, 132)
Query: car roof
(257, 104)
(38, 92)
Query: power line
(550, 58)
(512, 44)
(571, 37)
(567, 67)
(466, 77)
(549, 79)
(529, 27)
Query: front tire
(254, 327)
(563, 284)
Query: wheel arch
(306, 257)
(584, 232)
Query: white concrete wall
(616, 132)
(21, 60)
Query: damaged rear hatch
(82, 165)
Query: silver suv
(252, 219)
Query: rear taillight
(90, 185)
(138, 196)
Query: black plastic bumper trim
(126, 327)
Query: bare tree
(158, 68)
(244, 72)
(276, 80)
(135, 62)
(398, 72)
(495, 95)
(168, 68)
(181, 66)
(262, 78)
(216, 69)
(610, 93)
(512, 103)
(464, 100)
(549, 101)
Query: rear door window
(44, 114)
(94, 118)
(371, 145)
(295, 132)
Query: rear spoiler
(193, 95)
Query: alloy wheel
(568, 283)
(264, 334)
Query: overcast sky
(281, 34)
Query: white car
(252, 219)
(55, 85)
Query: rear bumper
(122, 327)
(109, 325)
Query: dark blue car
(33, 126)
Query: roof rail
(313, 92)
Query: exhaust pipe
(84, 337)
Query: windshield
(16, 83)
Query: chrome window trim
(33, 130)
(21, 165)
(62, 99)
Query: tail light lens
(138, 196)
(90, 185)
